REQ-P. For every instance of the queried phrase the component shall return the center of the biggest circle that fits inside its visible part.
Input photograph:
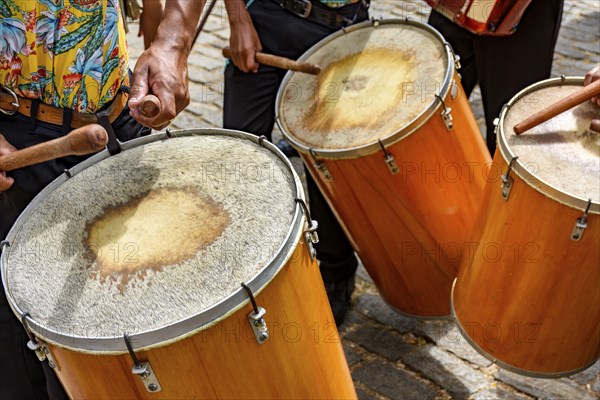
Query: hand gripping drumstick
(578, 97)
(280, 62)
(150, 106)
(80, 142)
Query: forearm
(237, 13)
(178, 25)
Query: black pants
(503, 66)
(249, 105)
(22, 375)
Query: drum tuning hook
(310, 234)
(446, 113)
(581, 223)
(256, 318)
(507, 180)
(142, 369)
(39, 347)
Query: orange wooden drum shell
(303, 358)
(530, 296)
(409, 229)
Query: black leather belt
(317, 12)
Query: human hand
(5, 148)
(243, 41)
(591, 76)
(161, 70)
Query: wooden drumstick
(150, 106)
(281, 62)
(81, 141)
(578, 97)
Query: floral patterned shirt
(67, 53)
(338, 3)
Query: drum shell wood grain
(529, 296)
(303, 358)
(409, 229)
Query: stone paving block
(187, 120)
(363, 274)
(569, 51)
(352, 356)
(447, 370)
(214, 119)
(588, 375)
(374, 307)
(455, 343)
(392, 382)
(380, 341)
(362, 395)
(569, 68)
(493, 393)
(562, 388)
(200, 108)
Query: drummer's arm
(243, 40)
(5, 148)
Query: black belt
(315, 11)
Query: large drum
(177, 269)
(529, 296)
(387, 132)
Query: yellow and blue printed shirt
(67, 53)
(338, 3)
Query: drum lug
(507, 180)
(446, 114)
(581, 224)
(311, 237)
(40, 347)
(256, 318)
(456, 57)
(142, 369)
(43, 353)
(389, 160)
(320, 165)
(148, 377)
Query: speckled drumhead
(151, 236)
(562, 152)
(374, 81)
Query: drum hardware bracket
(456, 57)
(38, 346)
(581, 224)
(311, 237)
(68, 173)
(374, 21)
(454, 90)
(389, 159)
(507, 180)
(3, 244)
(142, 369)
(261, 140)
(320, 165)
(256, 318)
(168, 133)
(446, 113)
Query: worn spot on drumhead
(162, 228)
(362, 90)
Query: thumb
(139, 84)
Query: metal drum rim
(521, 170)
(189, 326)
(407, 130)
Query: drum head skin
(150, 237)
(375, 80)
(562, 155)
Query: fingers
(5, 148)
(5, 182)
(592, 76)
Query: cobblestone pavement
(391, 356)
